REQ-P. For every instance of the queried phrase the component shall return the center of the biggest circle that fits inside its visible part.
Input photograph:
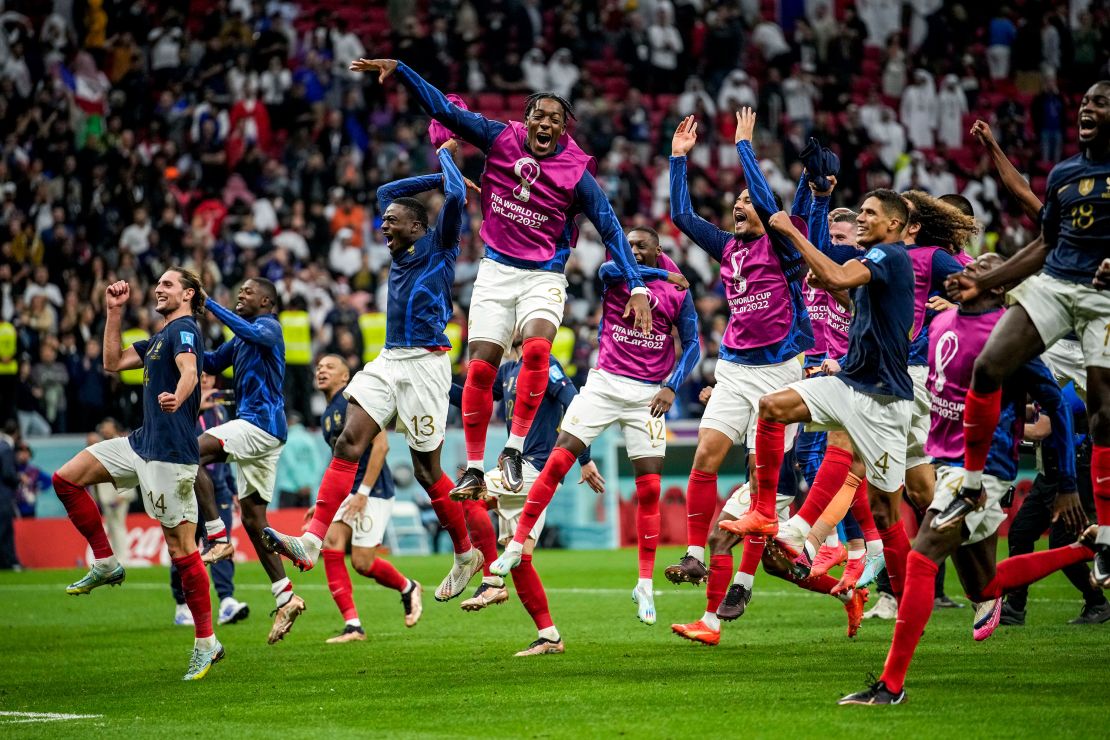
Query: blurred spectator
(919, 110)
(736, 92)
(665, 44)
(1001, 34)
(951, 109)
(32, 481)
(562, 73)
(1048, 111)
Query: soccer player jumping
(1067, 295)
(410, 381)
(536, 180)
(162, 456)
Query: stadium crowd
(234, 140)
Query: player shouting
(411, 379)
(1065, 296)
(536, 180)
(768, 328)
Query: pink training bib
(525, 201)
(633, 354)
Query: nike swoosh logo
(530, 501)
(691, 516)
(650, 536)
(533, 395)
(1102, 480)
(471, 413)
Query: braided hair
(532, 100)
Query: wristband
(639, 290)
(364, 490)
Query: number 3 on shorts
(159, 505)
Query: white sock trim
(696, 552)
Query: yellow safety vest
(372, 326)
(9, 365)
(129, 337)
(562, 349)
(454, 335)
(297, 331)
(229, 371)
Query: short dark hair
(416, 209)
(960, 203)
(893, 205)
(190, 279)
(268, 289)
(531, 101)
(647, 230)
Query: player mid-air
(536, 180)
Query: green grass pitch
(777, 672)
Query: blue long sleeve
(219, 359)
(449, 226)
(803, 197)
(405, 188)
(599, 210)
(817, 220)
(610, 273)
(691, 346)
(763, 199)
(701, 232)
(266, 333)
(1042, 387)
(472, 127)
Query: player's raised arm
(116, 358)
(851, 274)
(449, 225)
(610, 274)
(599, 210)
(763, 198)
(266, 333)
(964, 286)
(472, 127)
(1011, 178)
(701, 232)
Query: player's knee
(535, 352)
(1099, 421)
(771, 407)
(986, 374)
(349, 446)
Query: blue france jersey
(257, 354)
(545, 427)
(168, 437)
(1076, 218)
(331, 424)
(879, 336)
(420, 277)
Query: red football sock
(861, 510)
(385, 573)
(896, 548)
(647, 521)
(769, 440)
(1021, 570)
(914, 610)
(450, 514)
(830, 478)
(336, 485)
(981, 414)
(543, 490)
(701, 503)
(720, 574)
(194, 582)
(529, 588)
(477, 407)
(754, 545)
(1100, 483)
(531, 383)
(85, 516)
(481, 531)
(339, 582)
